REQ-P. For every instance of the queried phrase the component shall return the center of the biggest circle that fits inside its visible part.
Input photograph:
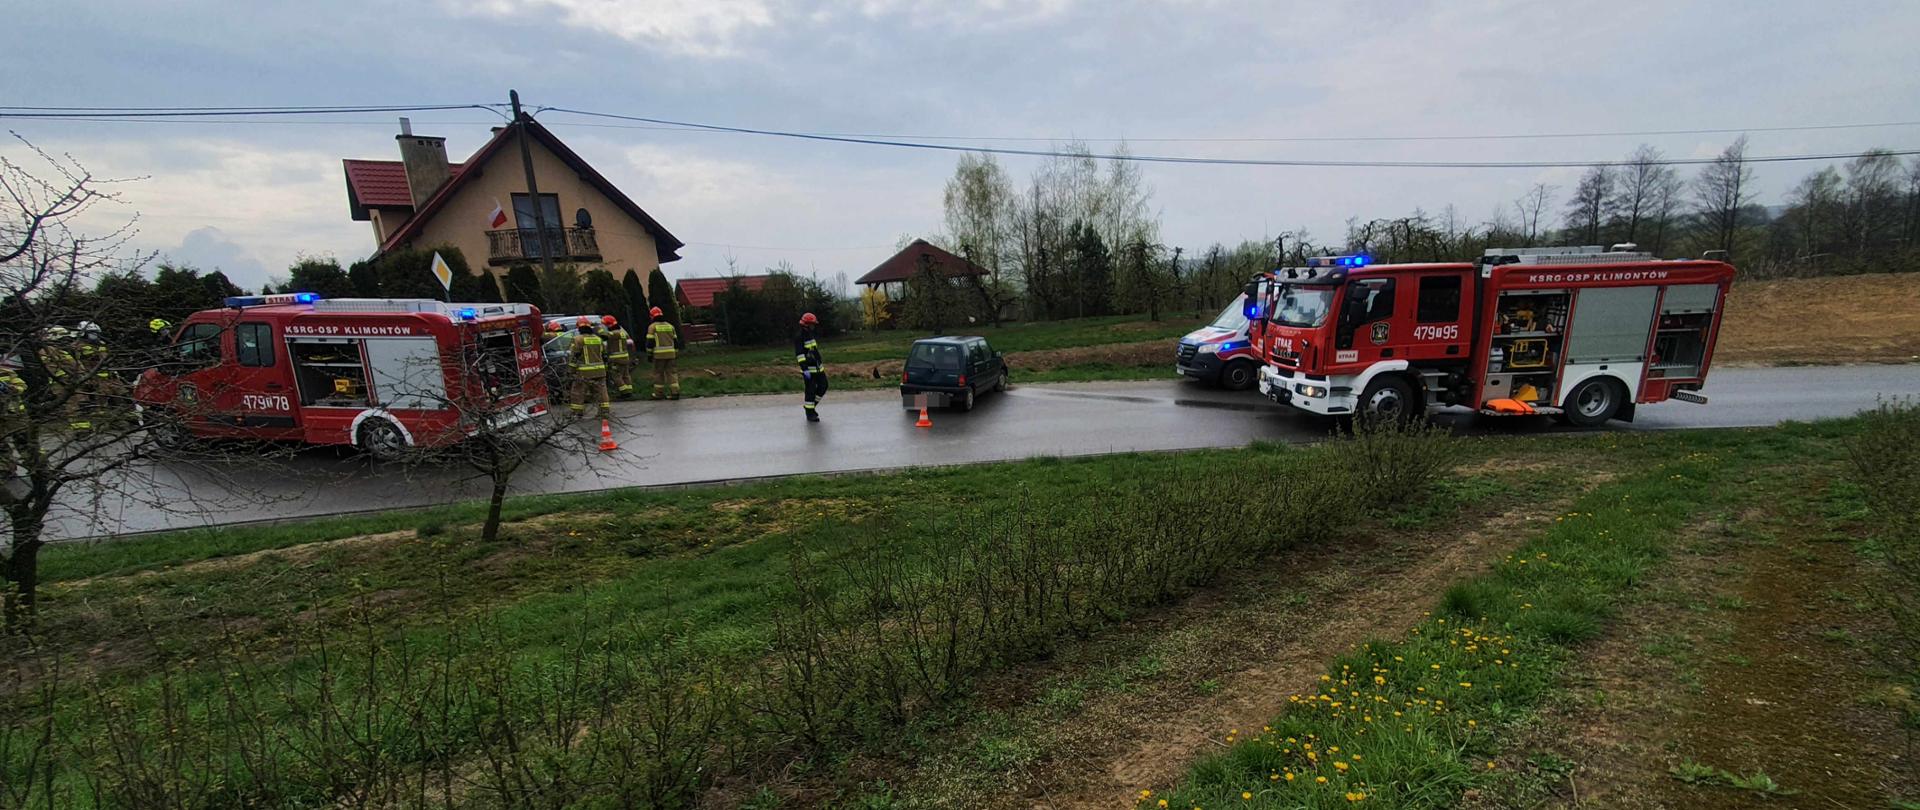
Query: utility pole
(520, 120)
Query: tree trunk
(491, 530)
(22, 569)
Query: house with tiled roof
(482, 205)
(699, 292)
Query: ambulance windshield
(1302, 305)
(1234, 317)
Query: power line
(1294, 139)
(193, 112)
(1397, 164)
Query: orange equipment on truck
(380, 374)
(1580, 333)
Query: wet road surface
(704, 440)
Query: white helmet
(88, 329)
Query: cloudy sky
(1177, 78)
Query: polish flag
(498, 218)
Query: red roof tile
(699, 292)
(904, 264)
(380, 184)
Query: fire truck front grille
(1284, 358)
(1187, 352)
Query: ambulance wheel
(382, 440)
(1389, 399)
(1593, 402)
(1237, 376)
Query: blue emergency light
(238, 301)
(1356, 260)
(468, 313)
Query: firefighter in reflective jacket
(69, 382)
(587, 359)
(13, 417)
(619, 358)
(806, 352)
(663, 346)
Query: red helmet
(807, 319)
(584, 323)
(655, 312)
(554, 326)
(608, 320)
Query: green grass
(1416, 721)
(860, 347)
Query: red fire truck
(379, 374)
(1580, 333)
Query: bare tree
(1636, 198)
(75, 444)
(1721, 190)
(1530, 208)
(1871, 214)
(499, 429)
(979, 205)
(1587, 209)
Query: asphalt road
(700, 440)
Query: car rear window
(942, 356)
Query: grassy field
(1109, 348)
(1066, 631)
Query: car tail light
(903, 376)
(963, 379)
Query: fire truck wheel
(1594, 401)
(382, 440)
(1237, 376)
(1389, 398)
(166, 429)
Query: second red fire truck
(1580, 333)
(383, 375)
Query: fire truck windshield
(1303, 305)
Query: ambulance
(382, 375)
(1583, 333)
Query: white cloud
(210, 249)
(249, 209)
(702, 28)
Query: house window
(528, 224)
(253, 344)
(1439, 299)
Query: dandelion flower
(1246, 796)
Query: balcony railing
(517, 245)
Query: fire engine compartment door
(1611, 325)
(407, 373)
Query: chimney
(425, 158)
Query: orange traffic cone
(924, 420)
(606, 438)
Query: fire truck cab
(1580, 333)
(379, 374)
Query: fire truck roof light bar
(239, 301)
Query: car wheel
(1001, 383)
(382, 440)
(1389, 398)
(966, 400)
(1237, 376)
(1594, 401)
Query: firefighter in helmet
(619, 359)
(13, 417)
(558, 379)
(663, 346)
(806, 352)
(64, 375)
(587, 359)
(101, 391)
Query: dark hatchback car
(951, 371)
